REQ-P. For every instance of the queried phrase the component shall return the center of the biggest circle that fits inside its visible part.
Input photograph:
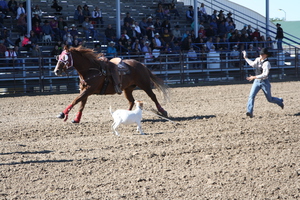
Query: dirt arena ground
(214, 152)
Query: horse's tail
(110, 111)
(160, 85)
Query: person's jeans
(279, 43)
(266, 87)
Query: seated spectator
(68, 39)
(177, 33)
(126, 27)
(235, 54)
(133, 34)
(205, 17)
(167, 13)
(6, 34)
(86, 12)
(36, 18)
(3, 48)
(37, 29)
(20, 10)
(230, 19)
(192, 56)
(47, 31)
(202, 33)
(64, 32)
(122, 42)
(55, 51)
(230, 26)
(166, 25)
(22, 24)
(214, 15)
(210, 32)
(159, 12)
(256, 34)
(128, 19)
(54, 26)
(210, 43)
(38, 11)
(158, 26)
(138, 29)
(76, 43)
(33, 38)
(110, 32)
(150, 21)
(128, 45)
(88, 29)
(97, 17)
(136, 42)
(111, 50)
(11, 56)
(61, 23)
(222, 28)
(151, 32)
(78, 15)
(37, 53)
(136, 49)
(252, 52)
(190, 14)
(147, 51)
(187, 43)
(98, 48)
(25, 42)
(4, 7)
(57, 7)
(143, 26)
(174, 10)
(73, 31)
(13, 6)
(157, 43)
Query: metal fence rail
(30, 75)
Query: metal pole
(29, 17)
(118, 18)
(267, 18)
(196, 28)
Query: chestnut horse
(95, 78)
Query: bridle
(66, 58)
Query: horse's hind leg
(151, 94)
(128, 94)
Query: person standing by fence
(279, 36)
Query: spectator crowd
(150, 36)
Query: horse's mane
(90, 54)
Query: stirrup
(118, 89)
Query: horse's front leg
(81, 98)
(79, 114)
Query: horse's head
(64, 62)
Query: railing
(33, 75)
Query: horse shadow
(180, 119)
(27, 152)
(297, 114)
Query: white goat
(128, 117)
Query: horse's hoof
(164, 113)
(75, 122)
(61, 115)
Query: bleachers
(138, 9)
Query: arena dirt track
(214, 152)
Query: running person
(261, 66)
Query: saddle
(121, 66)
